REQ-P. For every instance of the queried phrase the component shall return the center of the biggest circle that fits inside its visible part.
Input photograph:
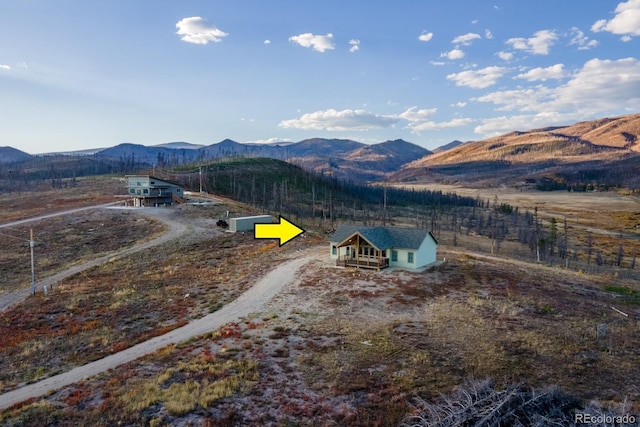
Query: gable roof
(384, 237)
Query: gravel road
(176, 229)
(251, 301)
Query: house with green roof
(381, 247)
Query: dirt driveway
(251, 301)
(176, 229)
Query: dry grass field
(88, 191)
(352, 347)
(68, 240)
(339, 347)
(593, 209)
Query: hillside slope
(12, 155)
(340, 158)
(604, 150)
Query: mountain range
(602, 150)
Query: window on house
(153, 183)
(348, 250)
(145, 191)
(132, 191)
(410, 257)
(139, 183)
(334, 250)
(384, 254)
(394, 256)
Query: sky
(87, 74)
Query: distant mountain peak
(11, 155)
(451, 145)
(179, 145)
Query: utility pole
(384, 206)
(33, 274)
(200, 179)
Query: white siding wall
(426, 252)
(424, 255)
(331, 245)
(402, 258)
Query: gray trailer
(246, 223)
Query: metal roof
(150, 177)
(384, 237)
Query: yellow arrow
(284, 231)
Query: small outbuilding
(381, 247)
(147, 190)
(246, 223)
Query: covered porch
(361, 253)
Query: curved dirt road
(176, 229)
(250, 301)
(54, 214)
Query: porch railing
(363, 261)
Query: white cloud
(425, 36)
(600, 86)
(539, 44)
(345, 120)
(505, 56)
(437, 63)
(410, 114)
(579, 39)
(553, 72)
(317, 42)
(499, 125)
(197, 30)
(466, 39)
(518, 99)
(475, 21)
(626, 21)
(416, 128)
(267, 141)
(488, 34)
(478, 79)
(419, 120)
(267, 41)
(355, 45)
(453, 54)
(459, 104)
(5, 67)
(360, 120)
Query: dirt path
(250, 301)
(176, 229)
(52, 215)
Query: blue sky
(87, 74)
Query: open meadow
(606, 212)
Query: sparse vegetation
(479, 403)
(343, 347)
